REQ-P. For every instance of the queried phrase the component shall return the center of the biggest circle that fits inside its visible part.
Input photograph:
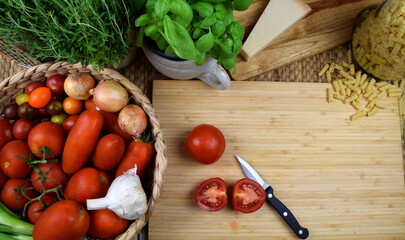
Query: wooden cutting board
(341, 179)
(328, 25)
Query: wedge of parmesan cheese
(278, 16)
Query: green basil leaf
(179, 39)
(143, 20)
(150, 30)
(237, 46)
(161, 43)
(169, 51)
(139, 37)
(236, 30)
(150, 5)
(162, 7)
(228, 62)
(201, 59)
(198, 32)
(182, 12)
(205, 42)
(224, 47)
(204, 9)
(207, 22)
(218, 28)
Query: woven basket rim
(15, 84)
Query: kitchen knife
(286, 214)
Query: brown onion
(78, 85)
(110, 96)
(132, 120)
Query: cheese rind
(278, 16)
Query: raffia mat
(142, 73)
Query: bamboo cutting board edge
(182, 94)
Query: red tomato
(72, 106)
(55, 83)
(32, 86)
(87, 183)
(10, 163)
(105, 223)
(47, 134)
(6, 132)
(108, 152)
(69, 122)
(37, 207)
(81, 140)
(15, 200)
(3, 179)
(22, 128)
(211, 195)
(54, 173)
(139, 153)
(205, 144)
(110, 121)
(247, 195)
(64, 220)
(40, 97)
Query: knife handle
(286, 214)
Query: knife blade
(284, 212)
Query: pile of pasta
(379, 42)
(363, 92)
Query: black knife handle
(288, 217)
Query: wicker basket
(14, 85)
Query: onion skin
(78, 85)
(132, 120)
(110, 96)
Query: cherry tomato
(72, 106)
(104, 223)
(10, 161)
(205, 144)
(69, 122)
(32, 86)
(6, 132)
(47, 134)
(108, 152)
(14, 200)
(40, 97)
(27, 112)
(22, 98)
(22, 128)
(247, 195)
(139, 153)
(55, 83)
(59, 119)
(54, 173)
(87, 183)
(64, 220)
(54, 107)
(81, 140)
(110, 121)
(211, 194)
(10, 111)
(3, 179)
(37, 207)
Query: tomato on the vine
(210, 195)
(55, 83)
(205, 144)
(11, 193)
(40, 97)
(54, 176)
(104, 223)
(6, 132)
(10, 159)
(49, 135)
(36, 208)
(64, 220)
(22, 128)
(87, 183)
(247, 195)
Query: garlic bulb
(125, 197)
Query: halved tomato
(247, 196)
(211, 195)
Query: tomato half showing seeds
(205, 144)
(11, 194)
(211, 195)
(247, 195)
(64, 220)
